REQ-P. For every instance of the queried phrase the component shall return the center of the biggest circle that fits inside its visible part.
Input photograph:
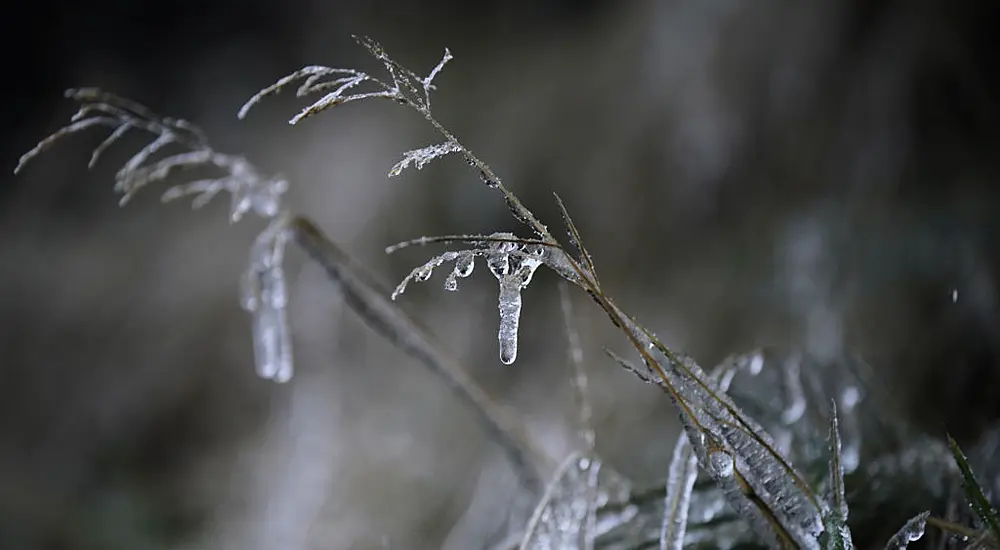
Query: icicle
(510, 317)
(513, 266)
(263, 293)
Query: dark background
(816, 176)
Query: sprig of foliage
(263, 289)
(758, 480)
(745, 457)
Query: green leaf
(974, 491)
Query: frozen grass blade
(835, 519)
(683, 471)
(680, 483)
(579, 376)
(576, 241)
(974, 492)
(912, 531)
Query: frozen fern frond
(250, 189)
(340, 86)
(512, 261)
(263, 291)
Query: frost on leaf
(263, 293)
(420, 157)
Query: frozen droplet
(450, 283)
(721, 463)
(463, 268)
(423, 274)
(464, 265)
(954, 295)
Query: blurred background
(815, 176)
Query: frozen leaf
(420, 157)
(684, 465)
(764, 488)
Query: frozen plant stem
(761, 483)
